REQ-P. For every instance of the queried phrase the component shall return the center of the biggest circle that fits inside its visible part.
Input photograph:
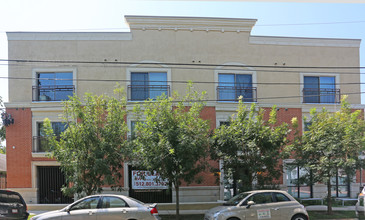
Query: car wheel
(233, 218)
(299, 217)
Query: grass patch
(182, 217)
(335, 215)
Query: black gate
(149, 195)
(50, 182)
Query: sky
(291, 19)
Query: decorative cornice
(301, 41)
(190, 23)
(92, 36)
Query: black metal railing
(321, 95)
(142, 92)
(233, 93)
(52, 93)
(41, 144)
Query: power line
(220, 101)
(243, 68)
(176, 81)
(178, 64)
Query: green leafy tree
(92, 149)
(250, 148)
(332, 144)
(173, 139)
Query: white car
(259, 204)
(104, 207)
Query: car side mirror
(67, 210)
(250, 203)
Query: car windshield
(236, 199)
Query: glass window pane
(64, 78)
(327, 82)
(139, 83)
(261, 198)
(45, 86)
(244, 87)
(58, 127)
(157, 85)
(113, 202)
(226, 79)
(89, 203)
(243, 80)
(311, 89)
(226, 87)
(328, 92)
(281, 197)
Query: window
(281, 197)
(294, 181)
(320, 90)
(148, 85)
(340, 185)
(40, 144)
(261, 198)
(226, 123)
(53, 86)
(89, 203)
(232, 86)
(113, 202)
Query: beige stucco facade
(196, 49)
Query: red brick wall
(286, 115)
(208, 178)
(19, 149)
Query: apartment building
(157, 56)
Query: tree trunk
(177, 201)
(329, 200)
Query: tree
(250, 147)
(173, 139)
(2, 130)
(93, 147)
(331, 146)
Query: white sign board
(263, 214)
(142, 179)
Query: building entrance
(50, 182)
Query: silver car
(259, 204)
(104, 207)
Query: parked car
(259, 204)
(12, 205)
(104, 207)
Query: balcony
(232, 93)
(321, 95)
(142, 92)
(40, 144)
(52, 93)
